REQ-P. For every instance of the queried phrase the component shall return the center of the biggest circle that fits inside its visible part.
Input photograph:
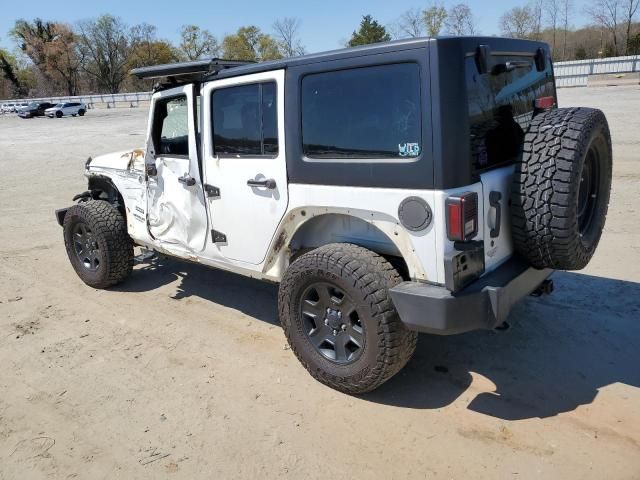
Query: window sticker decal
(409, 149)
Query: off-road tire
(81, 112)
(114, 244)
(366, 277)
(547, 229)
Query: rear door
(244, 163)
(501, 106)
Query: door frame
(189, 91)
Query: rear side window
(245, 120)
(369, 112)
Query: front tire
(339, 319)
(97, 243)
(81, 112)
(58, 114)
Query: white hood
(125, 160)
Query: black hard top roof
(370, 49)
(210, 69)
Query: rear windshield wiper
(499, 68)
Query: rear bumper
(484, 304)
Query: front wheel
(59, 114)
(339, 319)
(81, 112)
(97, 243)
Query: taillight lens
(462, 216)
(544, 103)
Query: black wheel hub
(588, 192)
(86, 247)
(331, 323)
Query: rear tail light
(462, 216)
(544, 103)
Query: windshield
(59, 105)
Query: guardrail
(110, 100)
(576, 73)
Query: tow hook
(545, 288)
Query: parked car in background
(35, 109)
(7, 108)
(67, 108)
(20, 106)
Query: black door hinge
(218, 237)
(211, 191)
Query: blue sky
(325, 24)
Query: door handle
(269, 183)
(187, 180)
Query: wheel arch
(305, 229)
(103, 188)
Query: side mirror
(483, 59)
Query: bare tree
(567, 7)
(460, 20)
(606, 14)
(105, 44)
(537, 8)
(411, 23)
(552, 11)
(630, 7)
(196, 42)
(286, 33)
(434, 18)
(519, 22)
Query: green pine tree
(370, 31)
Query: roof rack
(182, 72)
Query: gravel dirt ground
(183, 372)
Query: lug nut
(326, 321)
(344, 327)
(335, 332)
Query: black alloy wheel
(86, 247)
(332, 323)
(588, 192)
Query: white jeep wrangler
(423, 185)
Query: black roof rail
(186, 71)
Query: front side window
(245, 120)
(171, 126)
(370, 112)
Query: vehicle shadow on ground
(252, 297)
(560, 350)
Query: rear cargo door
(501, 106)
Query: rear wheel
(81, 112)
(338, 317)
(97, 243)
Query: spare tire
(561, 188)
